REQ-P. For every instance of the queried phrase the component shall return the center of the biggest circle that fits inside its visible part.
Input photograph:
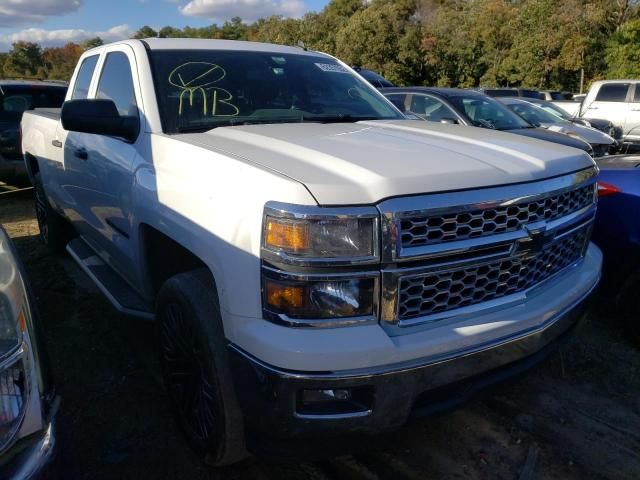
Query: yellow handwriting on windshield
(197, 79)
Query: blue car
(617, 229)
(617, 233)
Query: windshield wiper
(232, 122)
(196, 128)
(341, 118)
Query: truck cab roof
(211, 44)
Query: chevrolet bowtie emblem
(536, 241)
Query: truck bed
(52, 113)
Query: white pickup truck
(617, 101)
(318, 265)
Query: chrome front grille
(453, 253)
(444, 290)
(418, 230)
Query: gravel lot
(576, 416)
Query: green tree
(92, 43)
(24, 60)
(623, 51)
(384, 37)
(234, 29)
(170, 32)
(3, 58)
(276, 29)
(146, 32)
(60, 62)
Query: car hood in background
(365, 162)
(619, 162)
(589, 135)
(549, 136)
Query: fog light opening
(335, 401)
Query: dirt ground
(576, 416)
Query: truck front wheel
(195, 367)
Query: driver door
(102, 166)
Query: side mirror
(100, 117)
(449, 121)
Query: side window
(116, 83)
(83, 80)
(636, 95)
(398, 100)
(613, 92)
(431, 108)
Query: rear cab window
(83, 79)
(613, 92)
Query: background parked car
(556, 95)
(511, 92)
(617, 233)
(469, 107)
(27, 400)
(617, 228)
(601, 124)
(601, 143)
(374, 78)
(16, 96)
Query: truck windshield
(198, 90)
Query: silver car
(533, 113)
(27, 399)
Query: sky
(56, 22)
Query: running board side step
(124, 298)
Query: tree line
(457, 43)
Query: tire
(55, 232)
(195, 367)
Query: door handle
(81, 153)
(592, 108)
(56, 143)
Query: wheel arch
(156, 244)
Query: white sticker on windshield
(331, 67)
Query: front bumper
(32, 458)
(270, 397)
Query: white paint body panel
(207, 192)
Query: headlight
(299, 244)
(15, 346)
(302, 300)
(12, 298)
(313, 235)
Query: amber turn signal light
(287, 235)
(284, 297)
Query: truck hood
(365, 162)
